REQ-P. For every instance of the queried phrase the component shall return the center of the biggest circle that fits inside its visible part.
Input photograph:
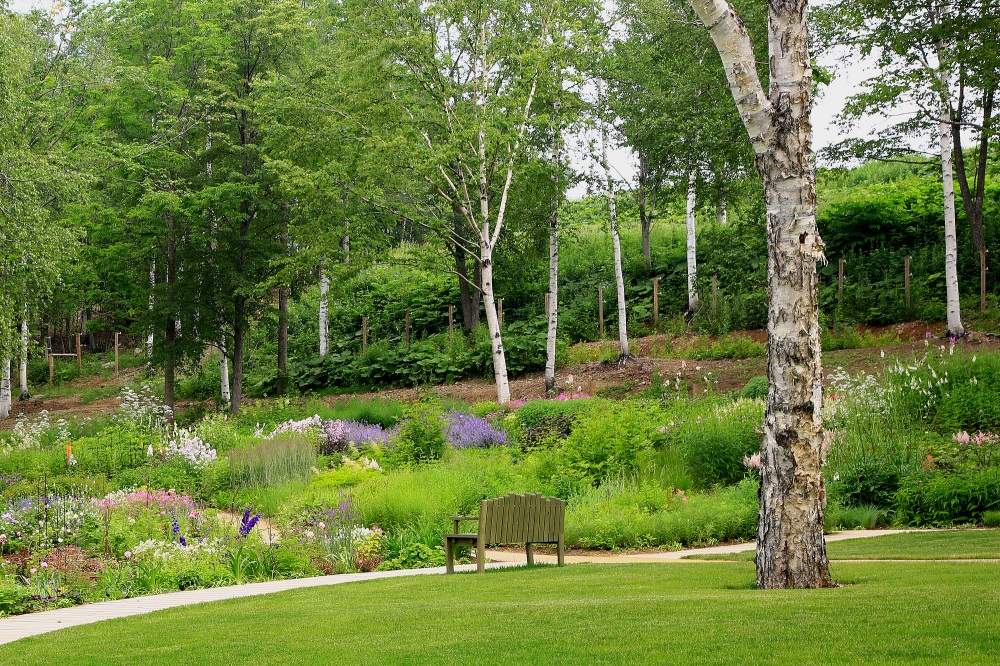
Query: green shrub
(271, 462)
(421, 436)
(948, 499)
(608, 437)
(714, 438)
(991, 518)
(756, 389)
(386, 413)
(544, 421)
(867, 482)
(855, 517)
(60, 485)
(622, 515)
(112, 451)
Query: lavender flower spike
(247, 524)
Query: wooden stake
(116, 355)
(982, 280)
(906, 279)
(364, 336)
(840, 282)
(451, 325)
(600, 308)
(715, 295)
(79, 353)
(52, 369)
(407, 329)
(656, 303)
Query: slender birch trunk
(23, 365)
(550, 336)
(225, 395)
(616, 245)
(722, 212)
(324, 312)
(692, 249)
(493, 324)
(152, 303)
(955, 327)
(791, 549)
(645, 216)
(5, 393)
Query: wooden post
(906, 279)
(982, 280)
(451, 326)
(79, 354)
(116, 355)
(500, 312)
(715, 295)
(840, 282)
(52, 369)
(600, 309)
(364, 336)
(407, 329)
(656, 303)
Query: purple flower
(340, 434)
(466, 431)
(247, 524)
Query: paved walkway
(515, 557)
(22, 626)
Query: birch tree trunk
(493, 324)
(23, 366)
(550, 336)
(5, 394)
(616, 245)
(324, 312)
(225, 394)
(955, 327)
(152, 303)
(645, 215)
(722, 212)
(692, 247)
(791, 549)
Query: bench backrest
(529, 518)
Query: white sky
(622, 160)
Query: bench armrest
(460, 519)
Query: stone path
(22, 626)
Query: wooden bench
(527, 519)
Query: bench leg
(561, 554)
(529, 552)
(481, 555)
(449, 556)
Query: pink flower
(961, 437)
(128, 554)
(930, 458)
(322, 526)
(310, 534)
(33, 570)
(45, 565)
(927, 335)
(752, 462)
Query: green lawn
(943, 545)
(886, 613)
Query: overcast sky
(825, 111)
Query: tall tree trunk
(225, 394)
(973, 200)
(170, 332)
(324, 312)
(645, 214)
(791, 549)
(493, 324)
(616, 245)
(955, 327)
(152, 304)
(553, 313)
(721, 212)
(5, 394)
(238, 339)
(23, 365)
(282, 383)
(467, 291)
(692, 251)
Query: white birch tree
(692, 243)
(791, 549)
(615, 242)
(5, 392)
(23, 362)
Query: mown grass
(886, 613)
(942, 545)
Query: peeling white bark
(5, 399)
(616, 244)
(954, 305)
(553, 323)
(324, 312)
(23, 365)
(493, 325)
(791, 549)
(692, 247)
(225, 393)
(152, 303)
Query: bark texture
(553, 304)
(23, 365)
(493, 324)
(225, 395)
(692, 243)
(791, 549)
(5, 395)
(324, 313)
(616, 246)
(955, 327)
(722, 212)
